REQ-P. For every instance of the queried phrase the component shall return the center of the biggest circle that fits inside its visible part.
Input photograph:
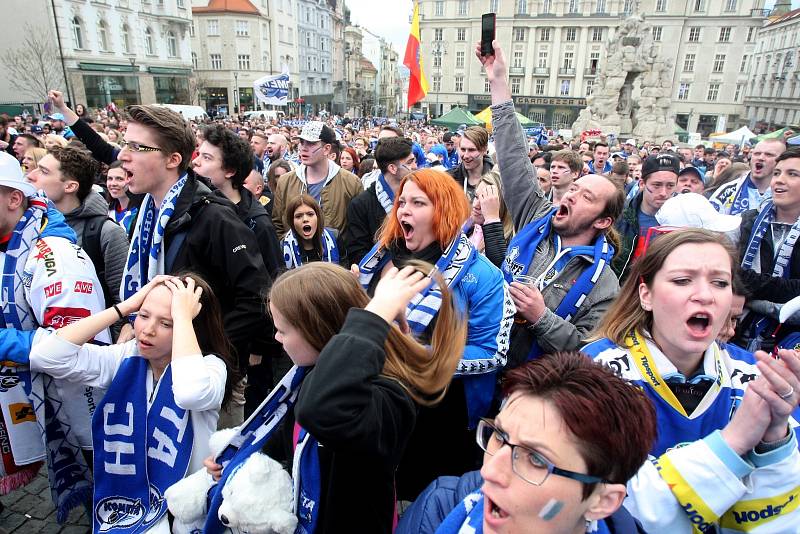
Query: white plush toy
(257, 499)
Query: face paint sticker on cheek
(550, 510)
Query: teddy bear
(257, 498)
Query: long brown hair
(493, 178)
(210, 332)
(318, 315)
(626, 313)
(288, 219)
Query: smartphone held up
(487, 33)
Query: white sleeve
(91, 365)
(198, 382)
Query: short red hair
(450, 207)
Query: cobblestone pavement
(30, 510)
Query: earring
(645, 307)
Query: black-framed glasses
(526, 463)
(137, 147)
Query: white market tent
(736, 137)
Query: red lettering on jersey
(52, 290)
(83, 287)
(61, 317)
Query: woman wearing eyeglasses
(726, 450)
(557, 457)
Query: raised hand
(185, 298)
(395, 290)
(495, 66)
(134, 302)
(57, 98)
(781, 391)
(489, 197)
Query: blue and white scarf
(291, 249)
(425, 305)
(522, 250)
(69, 475)
(307, 483)
(467, 518)
(138, 453)
(734, 198)
(384, 193)
(251, 437)
(783, 257)
(146, 254)
(741, 201)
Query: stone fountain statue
(631, 56)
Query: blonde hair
(626, 313)
(319, 315)
(493, 178)
(54, 139)
(36, 154)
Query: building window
(738, 93)
(437, 84)
(77, 33)
(544, 34)
(181, 3)
(486, 87)
(460, 60)
(627, 7)
(516, 83)
(290, 36)
(522, 7)
(719, 62)
(743, 64)
(518, 60)
(589, 87)
(148, 42)
(216, 61)
(308, 39)
(547, 6)
(573, 6)
(244, 61)
(126, 39)
(688, 63)
(571, 34)
(493, 6)
(750, 32)
(242, 28)
(172, 44)
(699, 5)
(725, 34)
(438, 7)
(212, 27)
(462, 8)
(730, 5)
(461, 34)
(539, 89)
(600, 6)
(437, 61)
(102, 35)
(459, 86)
(597, 34)
(194, 61)
(564, 88)
(519, 34)
(568, 57)
(661, 5)
(683, 91)
(191, 29)
(713, 92)
(437, 34)
(694, 34)
(542, 62)
(657, 33)
(280, 32)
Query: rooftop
(228, 6)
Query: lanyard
(647, 368)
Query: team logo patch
(58, 317)
(117, 512)
(22, 412)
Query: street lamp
(347, 53)
(438, 51)
(236, 91)
(136, 77)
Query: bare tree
(33, 67)
(197, 89)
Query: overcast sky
(386, 18)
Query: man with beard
(558, 264)
(750, 191)
(658, 182)
(474, 161)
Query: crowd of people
(433, 331)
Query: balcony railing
(539, 71)
(517, 71)
(566, 72)
(589, 71)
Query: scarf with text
(138, 453)
(384, 193)
(291, 249)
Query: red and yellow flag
(417, 84)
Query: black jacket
(252, 213)
(362, 421)
(460, 174)
(218, 246)
(764, 286)
(365, 215)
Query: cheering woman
(425, 224)
(307, 239)
(726, 446)
(165, 390)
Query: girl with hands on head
(492, 227)
(165, 389)
(726, 446)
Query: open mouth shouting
(563, 212)
(493, 514)
(699, 325)
(408, 230)
(307, 231)
(758, 167)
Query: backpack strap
(91, 244)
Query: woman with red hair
(425, 224)
(348, 160)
